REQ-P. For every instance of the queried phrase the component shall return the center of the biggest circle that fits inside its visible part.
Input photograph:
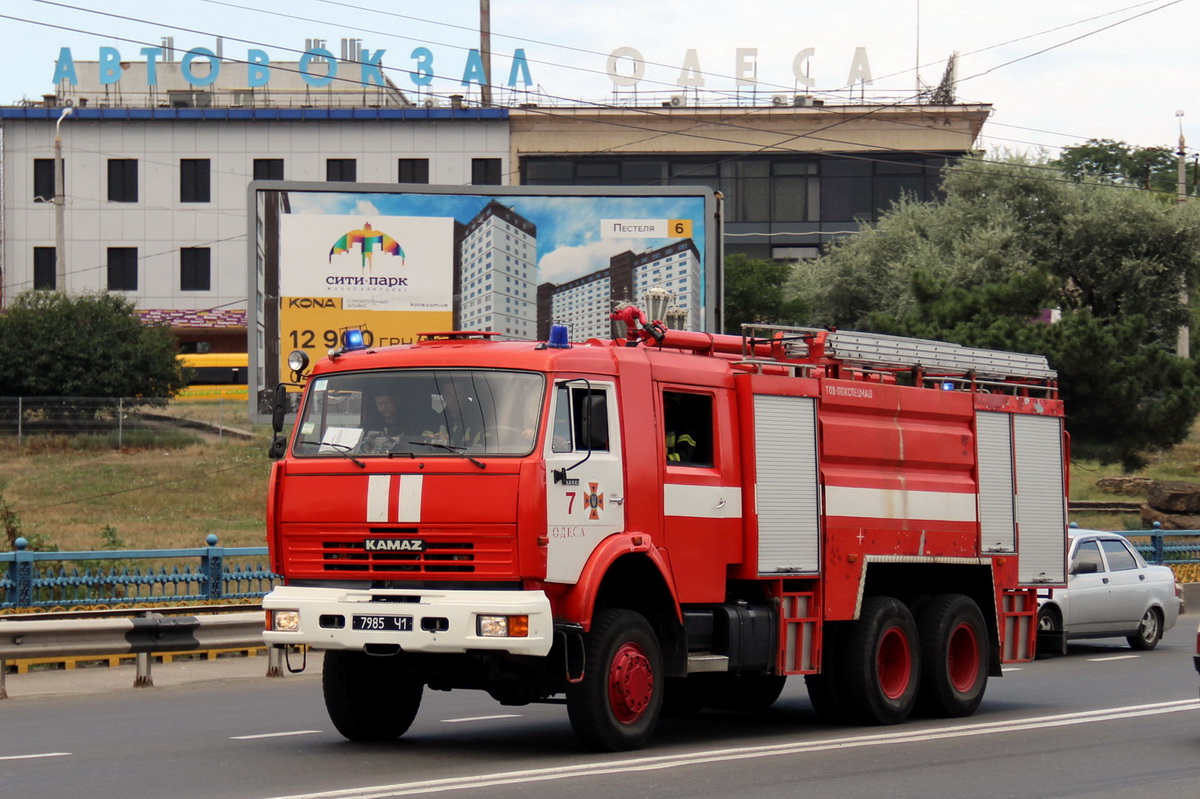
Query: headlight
(284, 621)
(502, 626)
(297, 360)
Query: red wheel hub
(630, 683)
(894, 663)
(962, 658)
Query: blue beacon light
(354, 339)
(558, 338)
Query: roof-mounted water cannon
(637, 326)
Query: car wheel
(1049, 620)
(1149, 632)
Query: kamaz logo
(394, 545)
(312, 302)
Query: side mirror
(278, 412)
(279, 408)
(1086, 567)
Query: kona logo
(312, 302)
(394, 545)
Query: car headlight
(502, 626)
(284, 621)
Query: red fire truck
(665, 522)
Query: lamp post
(60, 249)
(1183, 342)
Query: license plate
(390, 624)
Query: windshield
(421, 412)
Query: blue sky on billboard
(569, 243)
(1057, 73)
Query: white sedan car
(1111, 592)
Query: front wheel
(1149, 632)
(616, 706)
(370, 698)
(882, 670)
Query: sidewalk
(104, 679)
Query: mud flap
(1051, 642)
(574, 658)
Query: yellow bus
(215, 375)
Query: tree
(1119, 163)
(754, 292)
(1011, 240)
(90, 345)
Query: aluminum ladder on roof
(889, 352)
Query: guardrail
(30, 637)
(106, 577)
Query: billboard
(397, 261)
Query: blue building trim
(261, 114)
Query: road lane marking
(32, 757)
(482, 718)
(1113, 657)
(272, 735)
(655, 763)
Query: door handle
(1104, 580)
(721, 504)
(617, 500)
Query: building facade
(154, 201)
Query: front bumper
(441, 621)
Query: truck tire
(1149, 631)
(616, 705)
(369, 698)
(880, 662)
(823, 689)
(954, 656)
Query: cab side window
(688, 426)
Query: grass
(163, 492)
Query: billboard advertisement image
(400, 261)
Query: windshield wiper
(344, 451)
(459, 451)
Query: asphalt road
(1103, 721)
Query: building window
(122, 269)
(122, 180)
(195, 269)
(341, 170)
(268, 169)
(485, 171)
(43, 180)
(414, 170)
(45, 272)
(195, 180)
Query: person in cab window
(681, 438)
(462, 423)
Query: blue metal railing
(106, 577)
(1165, 547)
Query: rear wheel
(954, 651)
(881, 670)
(823, 689)
(370, 698)
(1149, 632)
(616, 706)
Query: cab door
(585, 480)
